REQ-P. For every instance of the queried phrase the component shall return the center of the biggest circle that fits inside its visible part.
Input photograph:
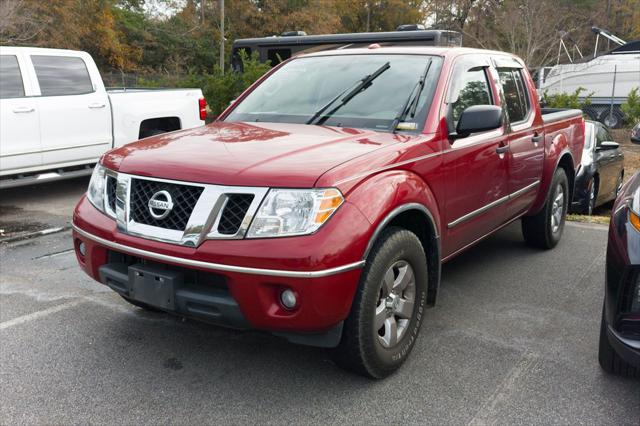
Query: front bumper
(243, 279)
(627, 349)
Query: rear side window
(278, 55)
(472, 88)
(61, 75)
(515, 95)
(10, 78)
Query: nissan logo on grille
(160, 204)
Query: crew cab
(57, 118)
(322, 203)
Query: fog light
(288, 299)
(82, 249)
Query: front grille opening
(234, 212)
(184, 198)
(631, 294)
(112, 184)
(193, 278)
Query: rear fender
(557, 154)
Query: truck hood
(247, 154)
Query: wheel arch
(417, 218)
(566, 163)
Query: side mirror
(478, 118)
(607, 145)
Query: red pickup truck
(322, 202)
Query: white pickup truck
(57, 118)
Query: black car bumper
(627, 349)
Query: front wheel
(388, 308)
(544, 229)
(593, 193)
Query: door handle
(23, 110)
(502, 149)
(96, 105)
(536, 138)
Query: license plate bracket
(154, 286)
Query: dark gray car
(601, 173)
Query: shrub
(631, 108)
(568, 100)
(219, 89)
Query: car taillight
(202, 105)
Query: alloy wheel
(557, 208)
(592, 199)
(395, 304)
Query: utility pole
(222, 36)
(368, 7)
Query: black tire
(141, 305)
(540, 229)
(609, 360)
(611, 120)
(619, 183)
(362, 349)
(592, 197)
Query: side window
(513, 87)
(61, 75)
(10, 78)
(278, 55)
(470, 88)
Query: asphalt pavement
(512, 340)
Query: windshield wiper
(361, 86)
(411, 105)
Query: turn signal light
(634, 219)
(331, 200)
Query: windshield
(301, 88)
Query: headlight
(95, 193)
(288, 212)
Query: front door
(475, 166)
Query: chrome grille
(199, 211)
(234, 213)
(184, 199)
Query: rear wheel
(388, 308)
(593, 194)
(609, 360)
(544, 229)
(611, 119)
(619, 183)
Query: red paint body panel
(377, 172)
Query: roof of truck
(411, 50)
(39, 50)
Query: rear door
(19, 116)
(526, 135)
(75, 118)
(476, 166)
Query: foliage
(176, 37)
(219, 89)
(631, 108)
(568, 100)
